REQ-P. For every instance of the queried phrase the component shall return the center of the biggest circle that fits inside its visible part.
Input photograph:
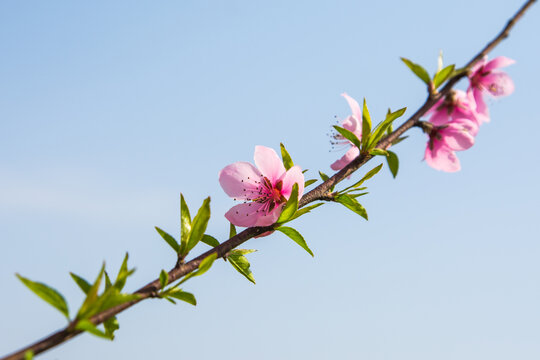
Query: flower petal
(440, 117)
(293, 175)
(269, 163)
(240, 180)
(441, 157)
(499, 62)
(354, 125)
(245, 215)
(498, 84)
(459, 135)
(478, 66)
(482, 111)
(345, 159)
(355, 107)
(264, 219)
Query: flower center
(270, 195)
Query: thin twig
(319, 193)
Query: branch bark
(319, 193)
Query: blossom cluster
(453, 124)
(455, 120)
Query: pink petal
(441, 157)
(270, 218)
(345, 159)
(292, 176)
(482, 111)
(354, 125)
(498, 84)
(239, 180)
(470, 126)
(466, 108)
(476, 67)
(269, 163)
(355, 107)
(458, 135)
(245, 215)
(499, 62)
(460, 96)
(440, 117)
(467, 123)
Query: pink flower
(264, 188)
(353, 123)
(445, 140)
(457, 105)
(484, 78)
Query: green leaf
(204, 266)
(200, 222)
(290, 207)
(242, 251)
(309, 182)
(168, 239)
(185, 224)
(305, 210)
(377, 151)
(287, 161)
(400, 139)
(111, 325)
(240, 263)
(417, 70)
(82, 283)
(210, 240)
(348, 135)
(48, 294)
(360, 188)
(28, 355)
(232, 230)
(390, 129)
(183, 295)
(371, 173)
(393, 163)
(323, 176)
(86, 325)
(123, 274)
(111, 298)
(366, 126)
(354, 196)
(443, 75)
(163, 279)
(170, 300)
(91, 296)
(296, 237)
(352, 204)
(108, 282)
(366, 177)
(380, 130)
(439, 61)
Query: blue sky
(108, 110)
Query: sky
(110, 110)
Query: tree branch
(318, 193)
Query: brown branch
(321, 192)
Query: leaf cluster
(94, 301)
(191, 231)
(439, 78)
